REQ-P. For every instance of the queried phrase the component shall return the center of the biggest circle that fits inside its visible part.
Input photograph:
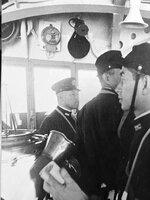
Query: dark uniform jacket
(54, 121)
(125, 133)
(97, 125)
(140, 182)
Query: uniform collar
(65, 111)
(108, 90)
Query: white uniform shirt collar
(65, 108)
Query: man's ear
(106, 77)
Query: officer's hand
(67, 191)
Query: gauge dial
(50, 35)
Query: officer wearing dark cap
(61, 120)
(109, 60)
(97, 125)
(135, 95)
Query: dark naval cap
(109, 60)
(139, 58)
(66, 84)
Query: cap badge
(140, 68)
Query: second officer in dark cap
(97, 125)
(62, 120)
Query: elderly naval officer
(61, 120)
(68, 99)
(97, 123)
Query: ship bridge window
(14, 95)
(88, 84)
(44, 78)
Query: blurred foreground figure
(67, 191)
(135, 95)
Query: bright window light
(88, 84)
(44, 78)
(13, 91)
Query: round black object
(10, 31)
(78, 46)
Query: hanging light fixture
(134, 18)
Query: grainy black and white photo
(75, 100)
